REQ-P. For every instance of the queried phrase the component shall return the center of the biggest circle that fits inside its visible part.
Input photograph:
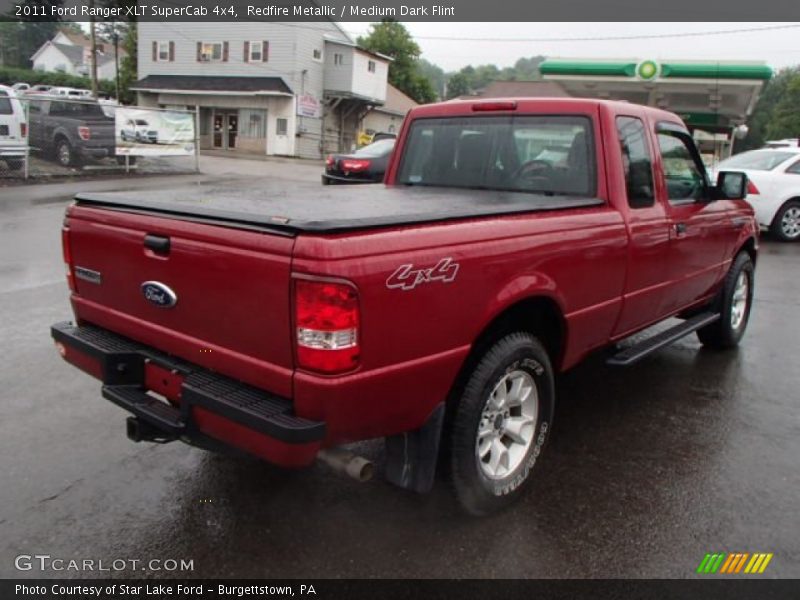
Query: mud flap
(411, 457)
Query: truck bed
(331, 208)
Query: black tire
(65, 155)
(518, 355)
(728, 330)
(15, 164)
(785, 226)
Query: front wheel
(786, 224)
(734, 303)
(501, 423)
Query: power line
(605, 38)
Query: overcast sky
(778, 48)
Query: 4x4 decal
(406, 277)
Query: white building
(262, 87)
(69, 52)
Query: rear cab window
(538, 154)
(636, 161)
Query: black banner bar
(733, 588)
(405, 10)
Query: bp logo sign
(647, 70)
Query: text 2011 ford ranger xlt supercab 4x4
(511, 238)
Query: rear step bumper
(210, 404)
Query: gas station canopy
(712, 96)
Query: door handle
(680, 229)
(156, 243)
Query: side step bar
(638, 351)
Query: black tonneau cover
(321, 209)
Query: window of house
(636, 162)
(338, 59)
(317, 55)
(211, 51)
(256, 51)
(371, 66)
(684, 177)
(282, 126)
(163, 52)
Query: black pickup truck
(72, 132)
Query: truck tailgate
(231, 286)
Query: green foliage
(391, 38)
(20, 40)
(471, 79)
(773, 112)
(10, 76)
(128, 66)
(435, 74)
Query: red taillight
(67, 252)
(751, 188)
(85, 133)
(490, 106)
(326, 322)
(354, 165)
(23, 129)
(329, 161)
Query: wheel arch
(539, 314)
(794, 198)
(750, 247)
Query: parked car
(71, 132)
(787, 143)
(13, 129)
(435, 311)
(21, 87)
(365, 165)
(774, 187)
(40, 89)
(138, 130)
(70, 92)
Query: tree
(128, 68)
(457, 85)
(435, 74)
(785, 122)
(391, 38)
(760, 122)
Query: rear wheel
(501, 424)
(786, 224)
(65, 155)
(734, 303)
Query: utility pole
(116, 56)
(93, 30)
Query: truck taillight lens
(85, 133)
(23, 129)
(327, 321)
(355, 165)
(329, 161)
(67, 258)
(751, 188)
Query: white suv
(13, 129)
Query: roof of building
(521, 89)
(397, 103)
(79, 39)
(206, 84)
(73, 53)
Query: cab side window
(794, 169)
(685, 180)
(636, 162)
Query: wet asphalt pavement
(648, 467)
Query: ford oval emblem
(159, 294)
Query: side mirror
(731, 185)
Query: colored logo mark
(647, 70)
(735, 562)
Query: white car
(773, 189)
(13, 129)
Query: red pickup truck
(511, 239)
